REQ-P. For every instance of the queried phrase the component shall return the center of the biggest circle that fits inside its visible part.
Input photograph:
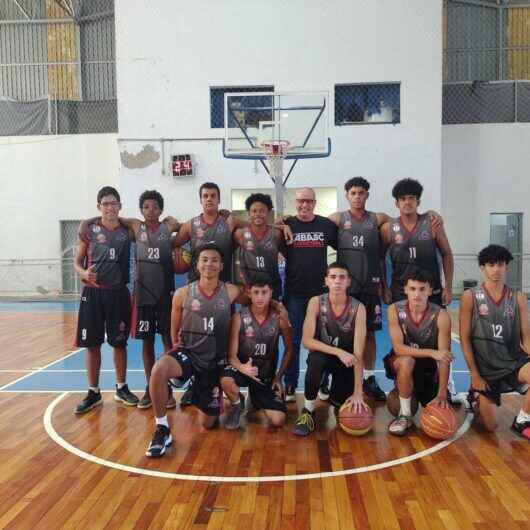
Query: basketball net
(276, 151)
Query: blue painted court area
(68, 374)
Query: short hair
(419, 275)
(338, 265)
(407, 187)
(494, 254)
(108, 190)
(357, 182)
(258, 197)
(210, 245)
(153, 195)
(260, 280)
(209, 186)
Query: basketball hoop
(276, 151)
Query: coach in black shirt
(305, 270)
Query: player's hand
(347, 359)
(439, 401)
(171, 221)
(225, 214)
(478, 383)
(356, 403)
(277, 387)
(442, 356)
(387, 296)
(279, 309)
(249, 370)
(287, 234)
(89, 275)
(447, 296)
(436, 220)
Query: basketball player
(259, 245)
(102, 262)
(253, 356)
(412, 243)
(334, 333)
(420, 332)
(200, 322)
(495, 339)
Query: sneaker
(125, 396)
(305, 424)
(161, 440)
(186, 399)
(171, 402)
(400, 426)
(145, 400)
(521, 428)
(233, 416)
(372, 389)
(92, 400)
(323, 391)
(290, 394)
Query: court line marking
(59, 440)
(41, 369)
(66, 371)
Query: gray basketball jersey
(409, 250)
(259, 257)
(259, 342)
(154, 272)
(109, 253)
(336, 330)
(218, 233)
(360, 248)
(495, 333)
(422, 334)
(205, 326)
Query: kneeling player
(334, 333)
(253, 356)
(420, 332)
(495, 339)
(200, 323)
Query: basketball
(355, 423)
(181, 260)
(438, 423)
(392, 402)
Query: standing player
(200, 322)
(253, 356)
(412, 243)
(104, 246)
(420, 332)
(495, 339)
(259, 245)
(334, 333)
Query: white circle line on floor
(58, 439)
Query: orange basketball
(392, 403)
(355, 423)
(181, 260)
(438, 423)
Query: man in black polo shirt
(305, 271)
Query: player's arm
(448, 264)
(525, 328)
(176, 313)
(359, 339)
(287, 335)
(172, 224)
(312, 344)
(382, 218)
(184, 234)
(444, 343)
(401, 349)
(465, 319)
(233, 349)
(335, 218)
(238, 237)
(81, 250)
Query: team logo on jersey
(83, 299)
(122, 236)
(162, 237)
(215, 392)
(195, 305)
(347, 225)
(398, 238)
(483, 310)
(368, 223)
(268, 245)
(247, 320)
(427, 333)
(395, 228)
(425, 235)
(249, 332)
(122, 326)
(200, 233)
(509, 311)
(197, 221)
(480, 295)
(402, 315)
(247, 234)
(142, 226)
(220, 304)
(324, 308)
(143, 237)
(96, 229)
(377, 319)
(346, 326)
(271, 330)
(377, 309)
(100, 238)
(250, 245)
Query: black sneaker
(161, 440)
(323, 391)
(521, 428)
(305, 424)
(125, 396)
(290, 394)
(145, 400)
(372, 389)
(187, 397)
(233, 416)
(92, 400)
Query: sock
(120, 385)
(309, 404)
(522, 417)
(404, 406)
(368, 373)
(94, 389)
(162, 421)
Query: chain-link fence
(57, 67)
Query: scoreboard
(182, 165)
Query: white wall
(170, 53)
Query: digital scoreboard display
(182, 165)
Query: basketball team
(221, 332)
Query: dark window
(367, 103)
(217, 104)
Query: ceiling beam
(21, 9)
